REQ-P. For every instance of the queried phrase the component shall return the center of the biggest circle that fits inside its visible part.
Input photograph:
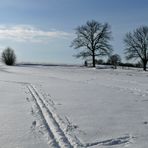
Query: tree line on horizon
(93, 40)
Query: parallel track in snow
(58, 137)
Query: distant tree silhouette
(114, 59)
(94, 38)
(8, 56)
(100, 61)
(137, 45)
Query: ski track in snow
(111, 142)
(58, 137)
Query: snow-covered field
(55, 106)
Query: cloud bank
(26, 33)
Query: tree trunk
(115, 66)
(93, 60)
(144, 64)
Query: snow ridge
(59, 137)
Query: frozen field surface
(43, 106)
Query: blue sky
(42, 30)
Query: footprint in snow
(27, 99)
(145, 122)
(34, 123)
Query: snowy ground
(55, 106)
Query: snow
(73, 107)
(15, 119)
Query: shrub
(8, 56)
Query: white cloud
(23, 33)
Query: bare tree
(137, 45)
(114, 59)
(94, 38)
(8, 56)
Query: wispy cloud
(23, 33)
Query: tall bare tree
(93, 38)
(137, 45)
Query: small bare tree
(8, 56)
(114, 59)
(94, 38)
(137, 45)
